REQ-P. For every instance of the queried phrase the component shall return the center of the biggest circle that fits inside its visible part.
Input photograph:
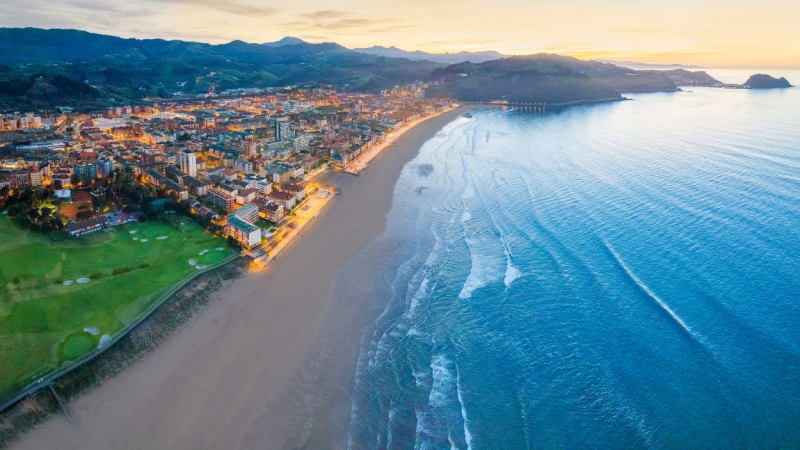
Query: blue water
(615, 276)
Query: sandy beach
(269, 363)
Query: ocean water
(623, 275)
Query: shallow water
(621, 275)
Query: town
(240, 163)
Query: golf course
(61, 297)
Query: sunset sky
(711, 33)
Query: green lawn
(42, 321)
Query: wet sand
(269, 363)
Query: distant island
(763, 81)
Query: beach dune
(219, 381)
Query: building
(284, 130)
(85, 173)
(20, 179)
(243, 165)
(248, 213)
(76, 229)
(104, 167)
(296, 189)
(188, 163)
(279, 174)
(221, 198)
(245, 232)
(35, 176)
(196, 187)
(286, 199)
(246, 196)
(269, 210)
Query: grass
(42, 321)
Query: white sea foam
(421, 293)
(485, 269)
(420, 377)
(467, 434)
(442, 381)
(512, 273)
(649, 292)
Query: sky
(708, 33)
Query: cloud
(241, 9)
(324, 14)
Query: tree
(84, 213)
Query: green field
(42, 320)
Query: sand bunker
(201, 267)
(84, 280)
(68, 283)
(219, 249)
(135, 238)
(92, 330)
(204, 252)
(133, 231)
(145, 240)
(161, 238)
(192, 262)
(104, 341)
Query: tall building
(104, 167)
(188, 163)
(85, 172)
(283, 130)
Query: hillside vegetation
(545, 78)
(36, 65)
(762, 81)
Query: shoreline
(218, 380)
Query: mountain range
(41, 69)
(444, 58)
(119, 69)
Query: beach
(269, 363)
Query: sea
(622, 275)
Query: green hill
(762, 81)
(117, 69)
(545, 78)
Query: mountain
(646, 66)
(763, 81)
(682, 77)
(445, 58)
(545, 78)
(288, 40)
(131, 70)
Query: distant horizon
(694, 66)
(712, 33)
